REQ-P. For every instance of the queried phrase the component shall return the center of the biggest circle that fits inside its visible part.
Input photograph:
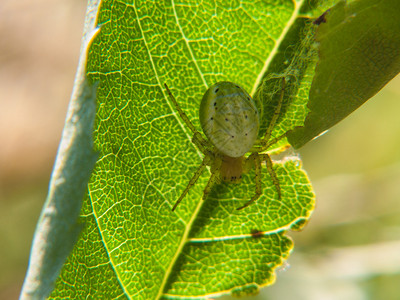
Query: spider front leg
(276, 114)
(264, 143)
(256, 159)
(202, 144)
(182, 114)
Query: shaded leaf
(351, 70)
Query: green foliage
(359, 54)
(133, 245)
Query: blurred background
(39, 51)
(349, 250)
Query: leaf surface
(133, 245)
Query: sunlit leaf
(133, 245)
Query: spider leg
(270, 169)
(214, 178)
(203, 145)
(180, 111)
(255, 157)
(198, 138)
(263, 144)
(277, 112)
(193, 180)
(209, 185)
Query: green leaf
(133, 245)
(351, 70)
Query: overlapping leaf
(359, 55)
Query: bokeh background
(349, 250)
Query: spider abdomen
(229, 118)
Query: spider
(230, 121)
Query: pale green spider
(230, 121)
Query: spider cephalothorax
(230, 121)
